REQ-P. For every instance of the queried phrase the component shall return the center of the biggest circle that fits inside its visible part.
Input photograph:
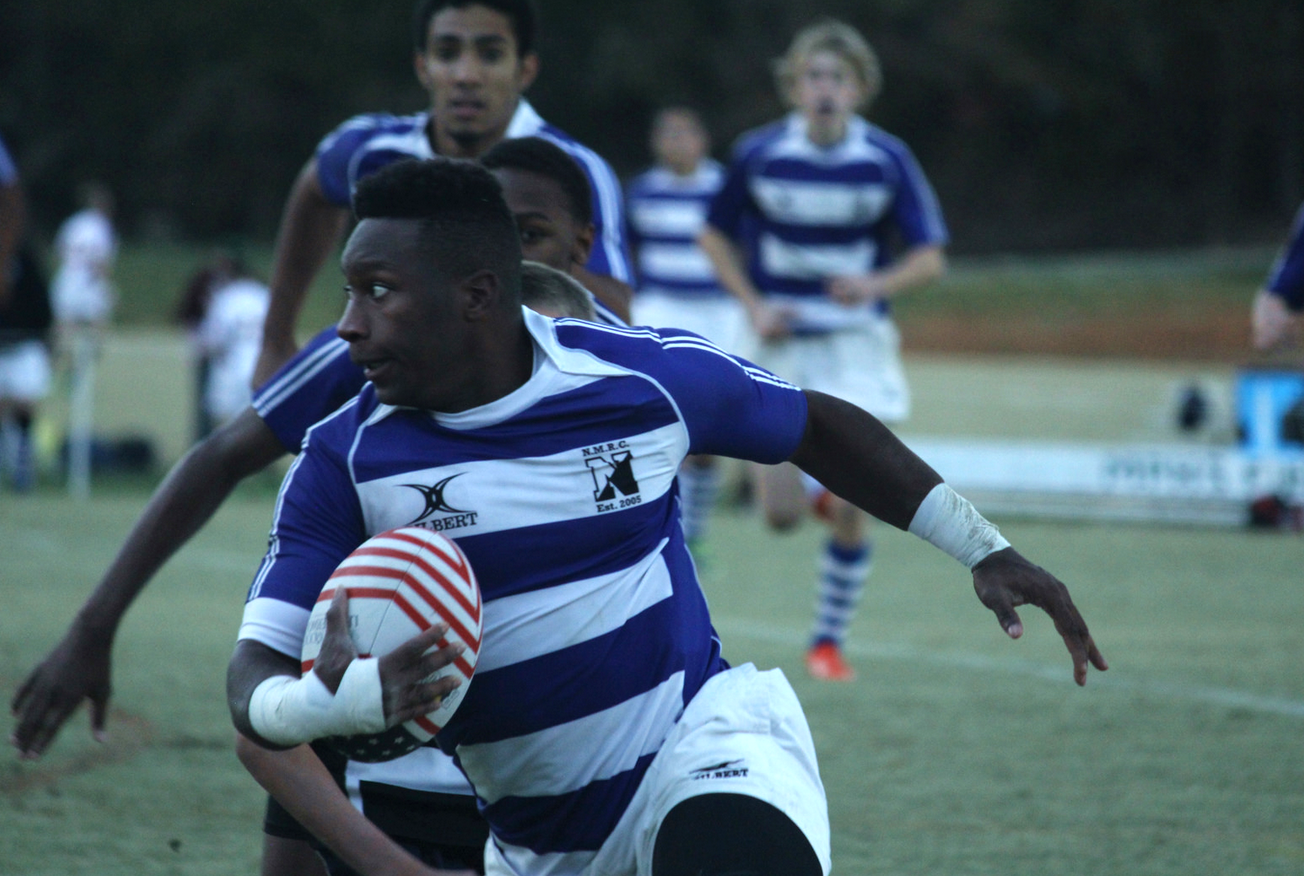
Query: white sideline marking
(1060, 674)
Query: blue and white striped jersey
(366, 143)
(562, 496)
(1287, 277)
(666, 212)
(803, 213)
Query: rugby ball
(400, 583)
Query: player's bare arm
(725, 259)
(311, 228)
(301, 783)
(1271, 322)
(916, 267)
(78, 668)
(858, 458)
(398, 690)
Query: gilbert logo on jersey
(612, 467)
(436, 504)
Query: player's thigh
(734, 834)
(781, 492)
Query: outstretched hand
(77, 669)
(1005, 580)
(405, 692)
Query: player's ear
(527, 71)
(419, 67)
(583, 245)
(481, 293)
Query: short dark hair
(465, 224)
(521, 13)
(547, 159)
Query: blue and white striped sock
(843, 572)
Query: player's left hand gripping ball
(400, 583)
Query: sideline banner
(1145, 481)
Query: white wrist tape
(948, 520)
(289, 711)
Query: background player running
(802, 233)
(666, 207)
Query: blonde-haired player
(802, 233)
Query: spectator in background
(86, 246)
(817, 203)
(676, 284)
(24, 326)
(83, 298)
(229, 338)
(222, 309)
(1274, 319)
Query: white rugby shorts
(719, 319)
(744, 733)
(860, 364)
(24, 371)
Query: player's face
(679, 142)
(402, 318)
(549, 232)
(827, 92)
(474, 75)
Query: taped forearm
(288, 711)
(950, 522)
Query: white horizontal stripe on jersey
(675, 261)
(566, 757)
(855, 148)
(426, 769)
(793, 261)
(277, 624)
(530, 491)
(666, 217)
(820, 203)
(523, 860)
(527, 625)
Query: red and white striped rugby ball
(400, 583)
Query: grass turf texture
(955, 751)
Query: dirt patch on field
(127, 735)
(1220, 335)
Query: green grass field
(956, 751)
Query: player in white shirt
(230, 336)
(823, 218)
(82, 298)
(86, 247)
(603, 731)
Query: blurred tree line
(1044, 124)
